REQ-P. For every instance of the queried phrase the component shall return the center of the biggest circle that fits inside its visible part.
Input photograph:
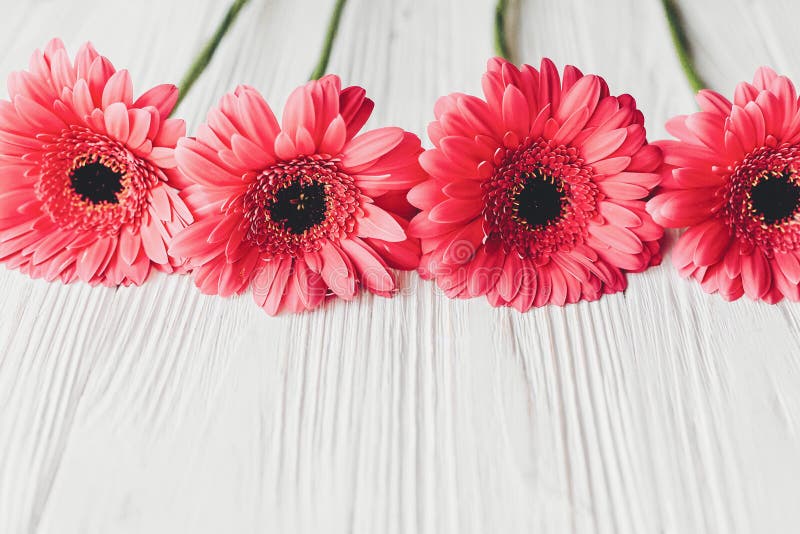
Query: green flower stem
(327, 45)
(681, 44)
(204, 57)
(501, 46)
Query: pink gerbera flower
(535, 194)
(300, 210)
(87, 178)
(733, 178)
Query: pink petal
(516, 114)
(116, 121)
(99, 73)
(583, 95)
(285, 148)
(621, 239)
(371, 269)
(40, 118)
(129, 244)
(712, 244)
(713, 102)
(298, 113)
(510, 281)
(269, 284)
(152, 242)
(163, 157)
(572, 126)
(337, 272)
(139, 125)
(611, 166)
(162, 97)
(199, 168)
(335, 137)
(118, 89)
(304, 142)
(756, 275)
(789, 265)
(171, 130)
(456, 210)
(90, 259)
(368, 147)
(378, 224)
(250, 154)
(599, 146)
(256, 119)
(355, 109)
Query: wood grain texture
(159, 410)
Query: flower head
(535, 193)
(733, 178)
(88, 185)
(302, 209)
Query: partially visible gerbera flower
(87, 174)
(733, 178)
(535, 194)
(301, 210)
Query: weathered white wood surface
(158, 410)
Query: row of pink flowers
(544, 191)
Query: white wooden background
(159, 410)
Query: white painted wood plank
(157, 409)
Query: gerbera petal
(256, 118)
(355, 108)
(713, 102)
(337, 271)
(162, 97)
(116, 120)
(599, 146)
(299, 113)
(756, 275)
(269, 284)
(456, 210)
(335, 137)
(139, 126)
(572, 126)
(152, 242)
(372, 271)
(99, 73)
(35, 115)
(516, 115)
(464, 244)
(621, 239)
(129, 245)
(379, 224)
(583, 95)
(763, 77)
(712, 244)
(118, 89)
(369, 147)
(789, 264)
(250, 154)
(199, 167)
(90, 259)
(285, 148)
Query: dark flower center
(775, 198)
(96, 183)
(540, 200)
(299, 207)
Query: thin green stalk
(327, 45)
(681, 44)
(204, 57)
(501, 46)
